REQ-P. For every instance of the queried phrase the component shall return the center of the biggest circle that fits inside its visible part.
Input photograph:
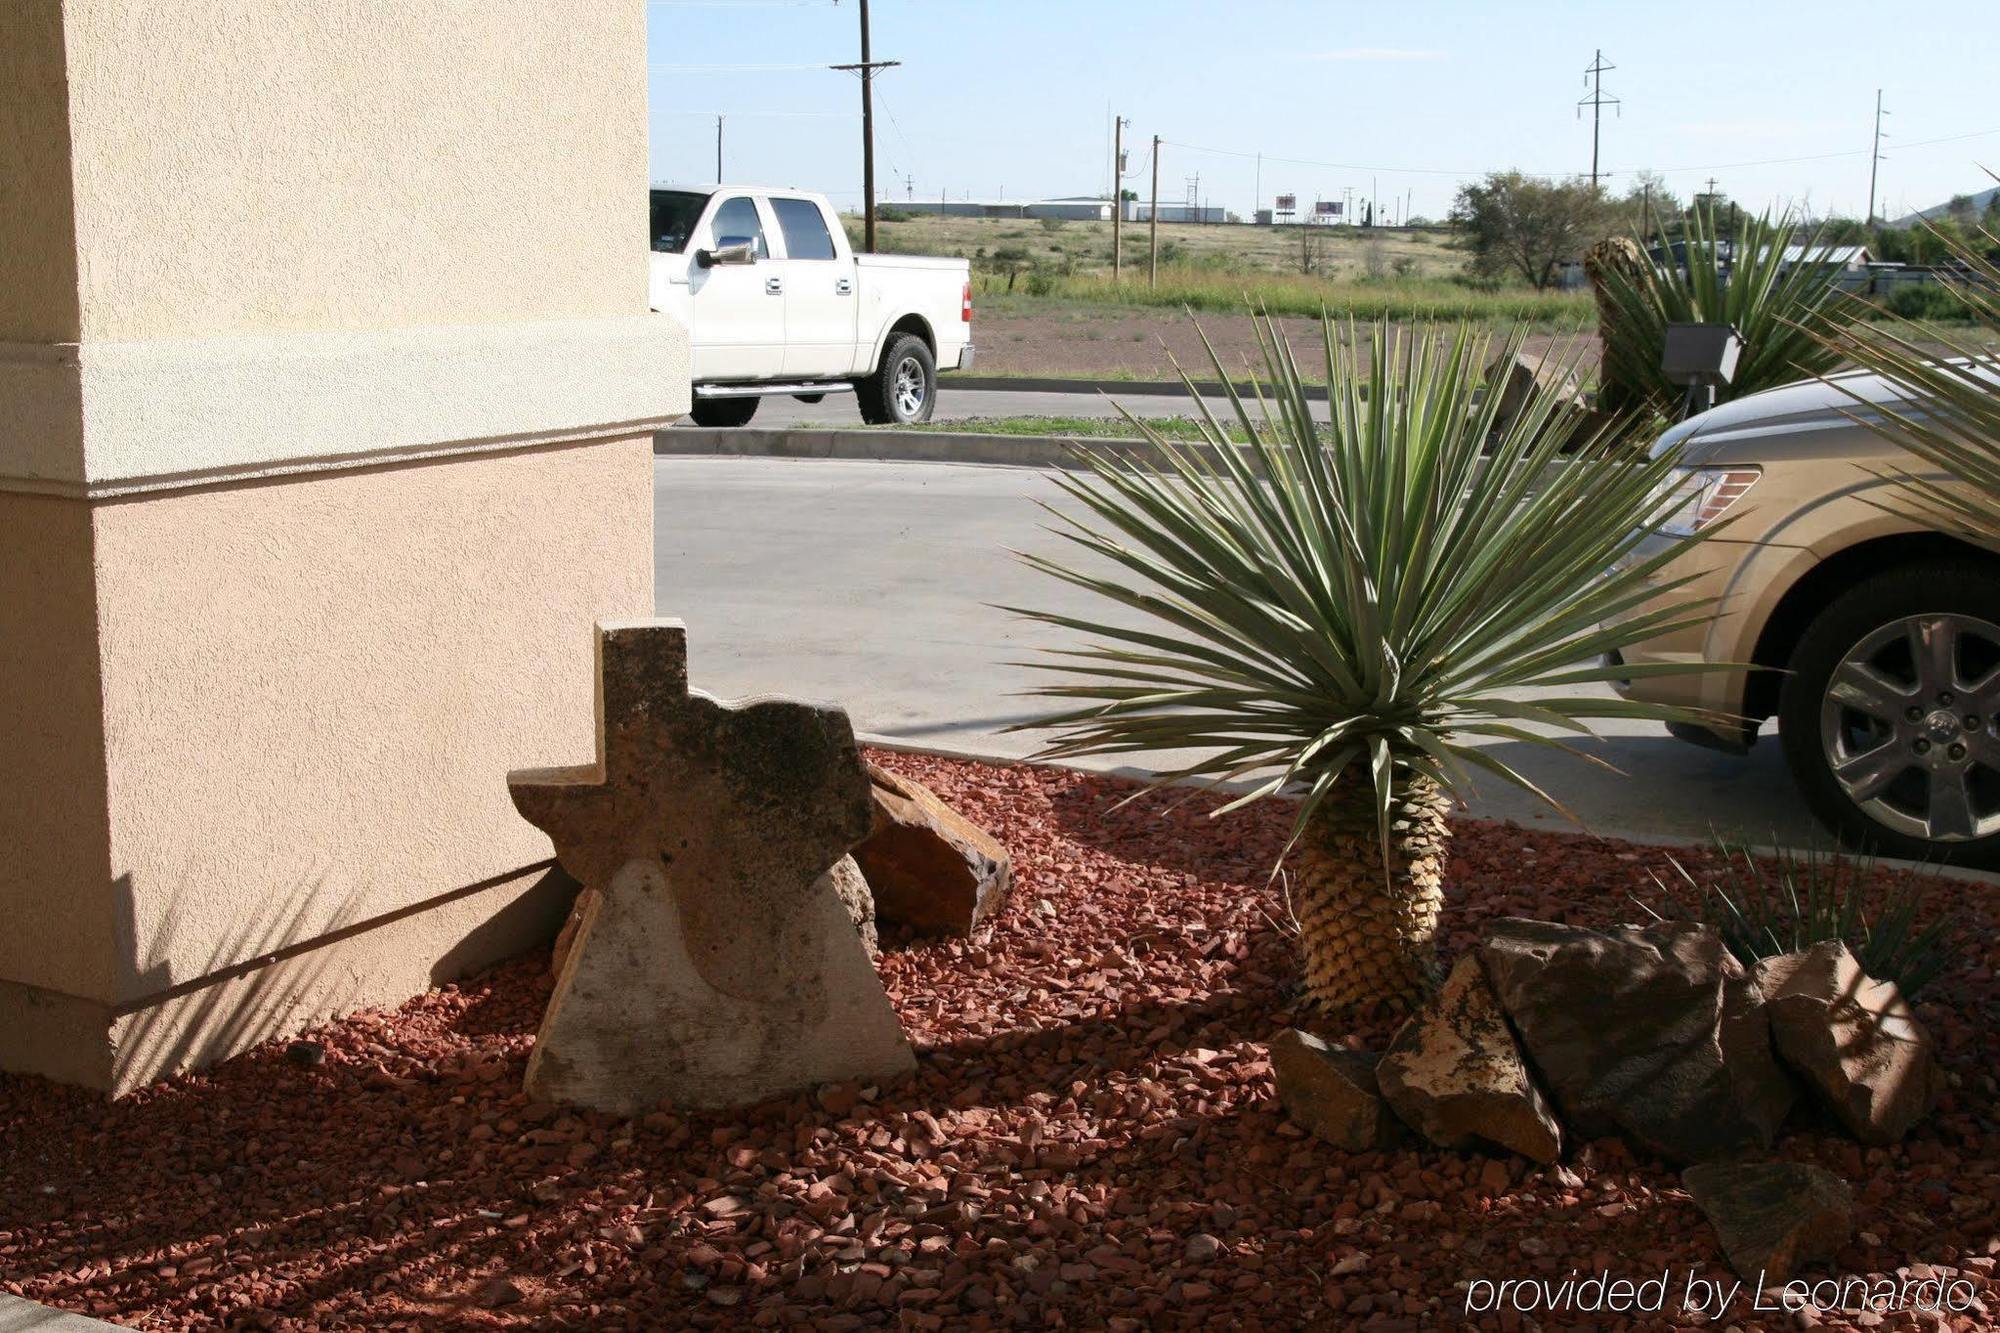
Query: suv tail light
(965, 303)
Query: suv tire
(724, 411)
(1890, 757)
(901, 390)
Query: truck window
(805, 229)
(736, 222)
(674, 214)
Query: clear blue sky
(1008, 98)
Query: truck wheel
(903, 389)
(724, 411)
(1890, 717)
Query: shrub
(1052, 224)
(1929, 300)
(1776, 306)
(1793, 900)
(893, 215)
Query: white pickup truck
(776, 303)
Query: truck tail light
(965, 303)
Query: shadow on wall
(269, 977)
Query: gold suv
(1872, 639)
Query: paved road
(871, 584)
(837, 409)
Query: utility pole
(866, 69)
(1257, 200)
(718, 150)
(1597, 101)
(1875, 158)
(1153, 223)
(1117, 194)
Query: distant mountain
(1979, 202)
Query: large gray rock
(711, 967)
(1656, 1033)
(1852, 1038)
(929, 867)
(1330, 1092)
(1772, 1217)
(1455, 1075)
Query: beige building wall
(326, 391)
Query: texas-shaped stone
(710, 968)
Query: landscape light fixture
(1702, 357)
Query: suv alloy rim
(1908, 727)
(909, 387)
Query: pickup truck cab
(775, 302)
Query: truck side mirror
(733, 250)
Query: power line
(762, 115)
(1481, 171)
(729, 69)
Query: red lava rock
(1092, 1139)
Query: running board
(772, 390)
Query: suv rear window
(805, 229)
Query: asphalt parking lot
(874, 585)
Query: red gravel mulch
(1092, 1140)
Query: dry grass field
(1339, 252)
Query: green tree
(1349, 610)
(1530, 226)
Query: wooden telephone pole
(1117, 195)
(1153, 223)
(1875, 158)
(866, 69)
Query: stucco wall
(58, 905)
(313, 690)
(37, 244)
(261, 165)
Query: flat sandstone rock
(1654, 1032)
(1455, 1075)
(930, 867)
(1852, 1039)
(712, 967)
(1330, 1092)
(1772, 1218)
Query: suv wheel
(725, 411)
(1888, 717)
(903, 389)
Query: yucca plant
(1797, 898)
(1745, 281)
(1347, 611)
(1946, 404)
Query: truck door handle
(843, 287)
(774, 286)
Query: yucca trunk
(1367, 937)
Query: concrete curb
(1111, 388)
(894, 446)
(1146, 776)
